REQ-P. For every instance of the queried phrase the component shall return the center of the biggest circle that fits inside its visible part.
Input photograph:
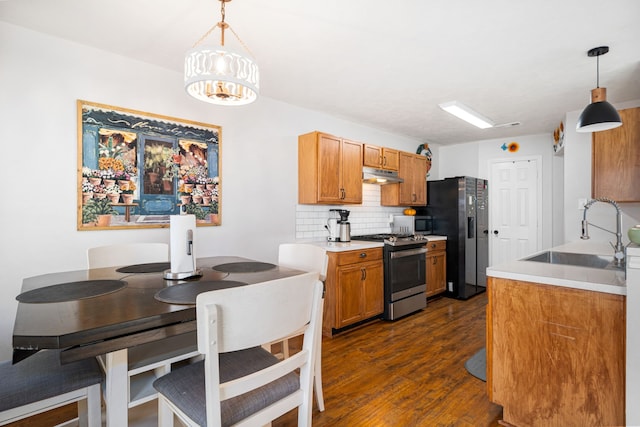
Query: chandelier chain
(223, 25)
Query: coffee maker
(344, 227)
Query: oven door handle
(408, 252)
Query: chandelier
(219, 75)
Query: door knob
(495, 232)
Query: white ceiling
(387, 64)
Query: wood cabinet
(616, 160)
(436, 267)
(413, 191)
(329, 170)
(381, 157)
(555, 355)
(353, 288)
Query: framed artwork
(135, 169)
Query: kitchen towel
(182, 231)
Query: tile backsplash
(367, 218)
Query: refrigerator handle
(471, 227)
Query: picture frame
(136, 169)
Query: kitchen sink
(581, 260)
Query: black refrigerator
(460, 210)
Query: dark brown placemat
(71, 291)
(244, 267)
(186, 293)
(152, 267)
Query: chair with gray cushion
(40, 383)
(306, 257)
(239, 382)
(156, 357)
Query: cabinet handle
(384, 161)
(363, 255)
(363, 272)
(342, 193)
(433, 246)
(435, 261)
(414, 197)
(381, 161)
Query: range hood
(380, 176)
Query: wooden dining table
(107, 312)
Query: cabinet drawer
(352, 257)
(437, 245)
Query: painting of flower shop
(139, 168)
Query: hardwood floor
(407, 373)
(404, 373)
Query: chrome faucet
(618, 257)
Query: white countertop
(355, 245)
(346, 246)
(590, 279)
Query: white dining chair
(148, 361)
(239, 382)
(306, 257)
(127, 254)
(40, 383)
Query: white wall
(473, 159)
(39, 141)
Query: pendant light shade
(599, 115)
(219, 75)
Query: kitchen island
(556, 341)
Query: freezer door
(470, 225)
(482, 232)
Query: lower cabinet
(555, 355)
(436, 267)
(354, 288)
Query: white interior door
(514, 192)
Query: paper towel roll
(182, 232)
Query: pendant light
(599, 115)
(219, 75)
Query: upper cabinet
(381, 157)
(329, 170)
(616, 160)
(413, 191)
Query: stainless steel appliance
(460, 210)
(344, 227)
(404, 273)
(423, 224)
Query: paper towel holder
(170, 275)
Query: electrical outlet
(581, 203)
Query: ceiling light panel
(465, 113)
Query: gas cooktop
(393, 239)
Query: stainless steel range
(404, 272)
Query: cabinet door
(351, 171)
(405, 171)
(616, 160)
(329, 151)
(419, 178)
(372, 156)
(555, 355)
(436, 273)
(373, 290)
(390, 159)
(349, 295)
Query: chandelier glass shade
(219, 75)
